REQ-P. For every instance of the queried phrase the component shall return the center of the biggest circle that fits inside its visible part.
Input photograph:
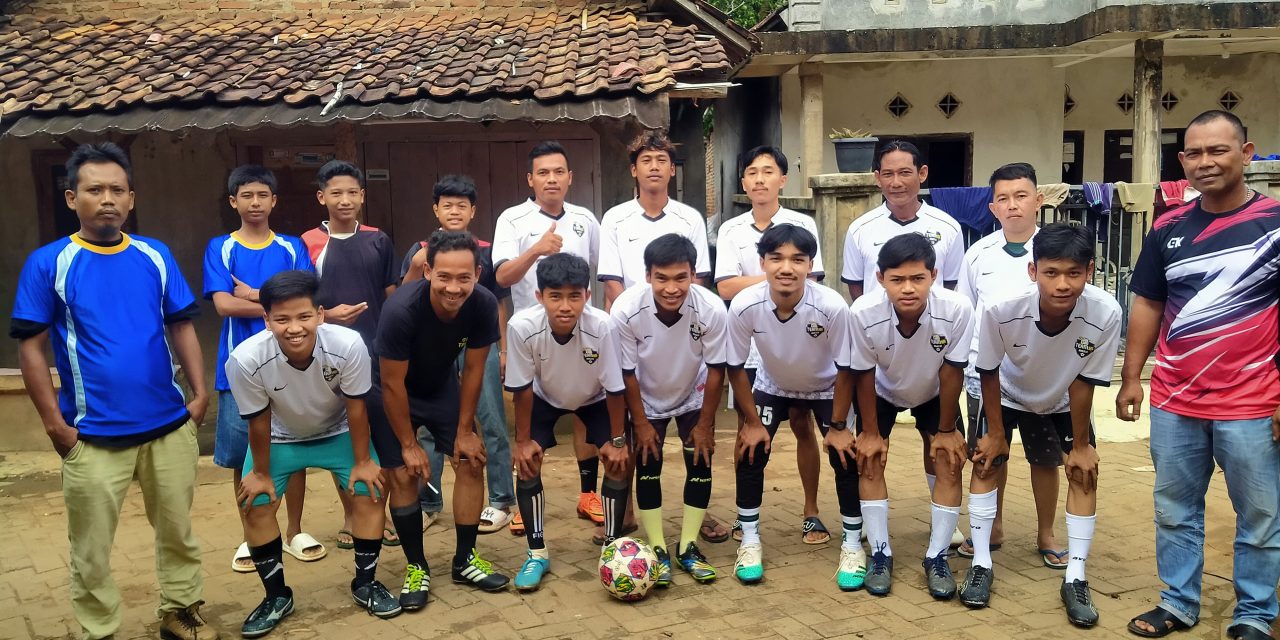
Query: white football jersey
(872, 229)
(626, 231)
(991, 273)
(570, 375)
(799, 355)
(520, 227)
(736, 241)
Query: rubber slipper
(349, 542)
(305, 548)
(736, 531)
(517, 525)
(1246, 632)
(968, 553)
(390, 538)
(708, 531)
(493, 520)
(811, 524)
(242, 553)
(1046, 553)
(1162, 620)
(626, 531)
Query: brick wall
(253, 8)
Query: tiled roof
(554, 54)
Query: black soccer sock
(366, 553)
(466, 542)
(750, 479)
(846, 485)
(648, 482)
(697, 481)
(530, 498)
(408, 521)
(589, 473)
(270, 565)
(614, 497)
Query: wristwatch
(619, 441)
(838, 425)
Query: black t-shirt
(488, 276)
(410, 330)
(354, 270)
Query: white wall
(907, 14)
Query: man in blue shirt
(235, 265)
(104, 300)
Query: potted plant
(854, 149)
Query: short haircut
(547, 148)
(335, 168)
(1014, 171)
(1218, 114)
(560, 270)
(454, 185)
(764, 150)
(908, 247)
(795, 235)
(288, 285)
(897, 145)
(249, 174)
(651, 141)
(452, 241)
(670, 249)
(1063, 241)
(102, 153)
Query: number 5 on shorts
(766, 414)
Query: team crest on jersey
(329, 373)
(590, 355)
(814, 329)
(938, 342)
(579, 229)
(1084, 347)
(462, 344)
(934, 237)
(697, 330)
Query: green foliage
(747, 12)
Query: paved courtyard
(798, 600)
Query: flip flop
(517, 524)
(968, 553)
(736, 531)
(493, 520)
(1046, 553)
(428, 519)
(345, 543)
(1164, 623)
(811, 524)
(242, 553)
(626, 531)
(305, 548)
(708, 531)
(390, 538)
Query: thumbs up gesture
(549, 243)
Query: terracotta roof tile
(545, 53)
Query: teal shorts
(333, 454)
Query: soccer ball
(628, 569)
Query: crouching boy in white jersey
(801, 330)
(901, 334)
(1059, 337)
(672, 335)
(301, 385)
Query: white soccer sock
(944, 522)
(541, 554)
(876, 515)
(1079, 537)
(982, 514)
(750, 521)
(852, 539)
(931, 480)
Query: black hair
(1218, 114)
(452, 241)
(908, 247)
(795, 235)
(288, 285)
(897, 145)
(670, 249)
(750, 156)
(651, 141)
(454, 185)
(249, 174)
(563, 270)
(102, 153)
(335, 168)
(1063, 241)
(547, 148)
(1014, 171)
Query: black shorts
(685, 423)
(775, 410)
(438, 414)
(542, 422)
(926, 414)
(1045, 438)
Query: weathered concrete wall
(750, 116)
(908, 14)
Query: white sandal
(299, 545)
(493, 520)
(242, 553)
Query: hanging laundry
(1054, 194)
(1099, 196)
(1177, 193)
(968, 205)
(1137, 197)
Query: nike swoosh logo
(1018, 346)
(632, 239)
(756, 331)
(280, 388)
(876, 244)
(534, 234)
(986, 273)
